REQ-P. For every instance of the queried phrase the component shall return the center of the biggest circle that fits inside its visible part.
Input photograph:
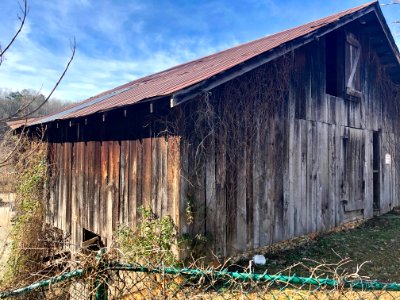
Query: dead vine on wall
(228, 129)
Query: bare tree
(30, 106)
(25, 107)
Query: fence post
(99, 283)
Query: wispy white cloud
(119, 41)
(32, 65)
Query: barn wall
(98, 183)
(354, 122)
(309, 167)
(263, 158)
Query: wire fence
(114, 280)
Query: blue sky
(119, 41)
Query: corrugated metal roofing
(14, 124)
(177, 78)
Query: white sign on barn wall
(388, 159)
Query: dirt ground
(376, 243)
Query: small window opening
(332, 70)
(91, 241)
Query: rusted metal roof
(14, 124)
(188, 74)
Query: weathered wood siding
(303, 165)
(99, 184)
(311, 170)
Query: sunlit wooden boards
(102, 184)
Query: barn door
(353, 185)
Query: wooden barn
(290, 134)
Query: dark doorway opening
(91, 241)
(376, 169)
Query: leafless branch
(24, 9)
(73, 49)
(15, 149)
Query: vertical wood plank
(220, 192)
(146, 173)
(210, 189)
(123, 183)
(110, 192)
(53, 182)
(85, 173)
(104, 188)
(323, 178)
(90, 185)
(257, 184)
(75, 225)
(231, 205)
(163, 175)
(154, 175)
(241, 213)
(340, 133)
(249, 187)
(279, 164)
(267, 207)
(368, 176)
(133, 186)
(183, 186)
(311, 177)
(174, 178)
(292, 180)
(80, 183)
(158, 174)
(69, 187)
(302, 211)
(97, 163)
(140, 178)
(113, 195)
(332, 174)
(65, 189)
(198, 197)
(61, 209)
